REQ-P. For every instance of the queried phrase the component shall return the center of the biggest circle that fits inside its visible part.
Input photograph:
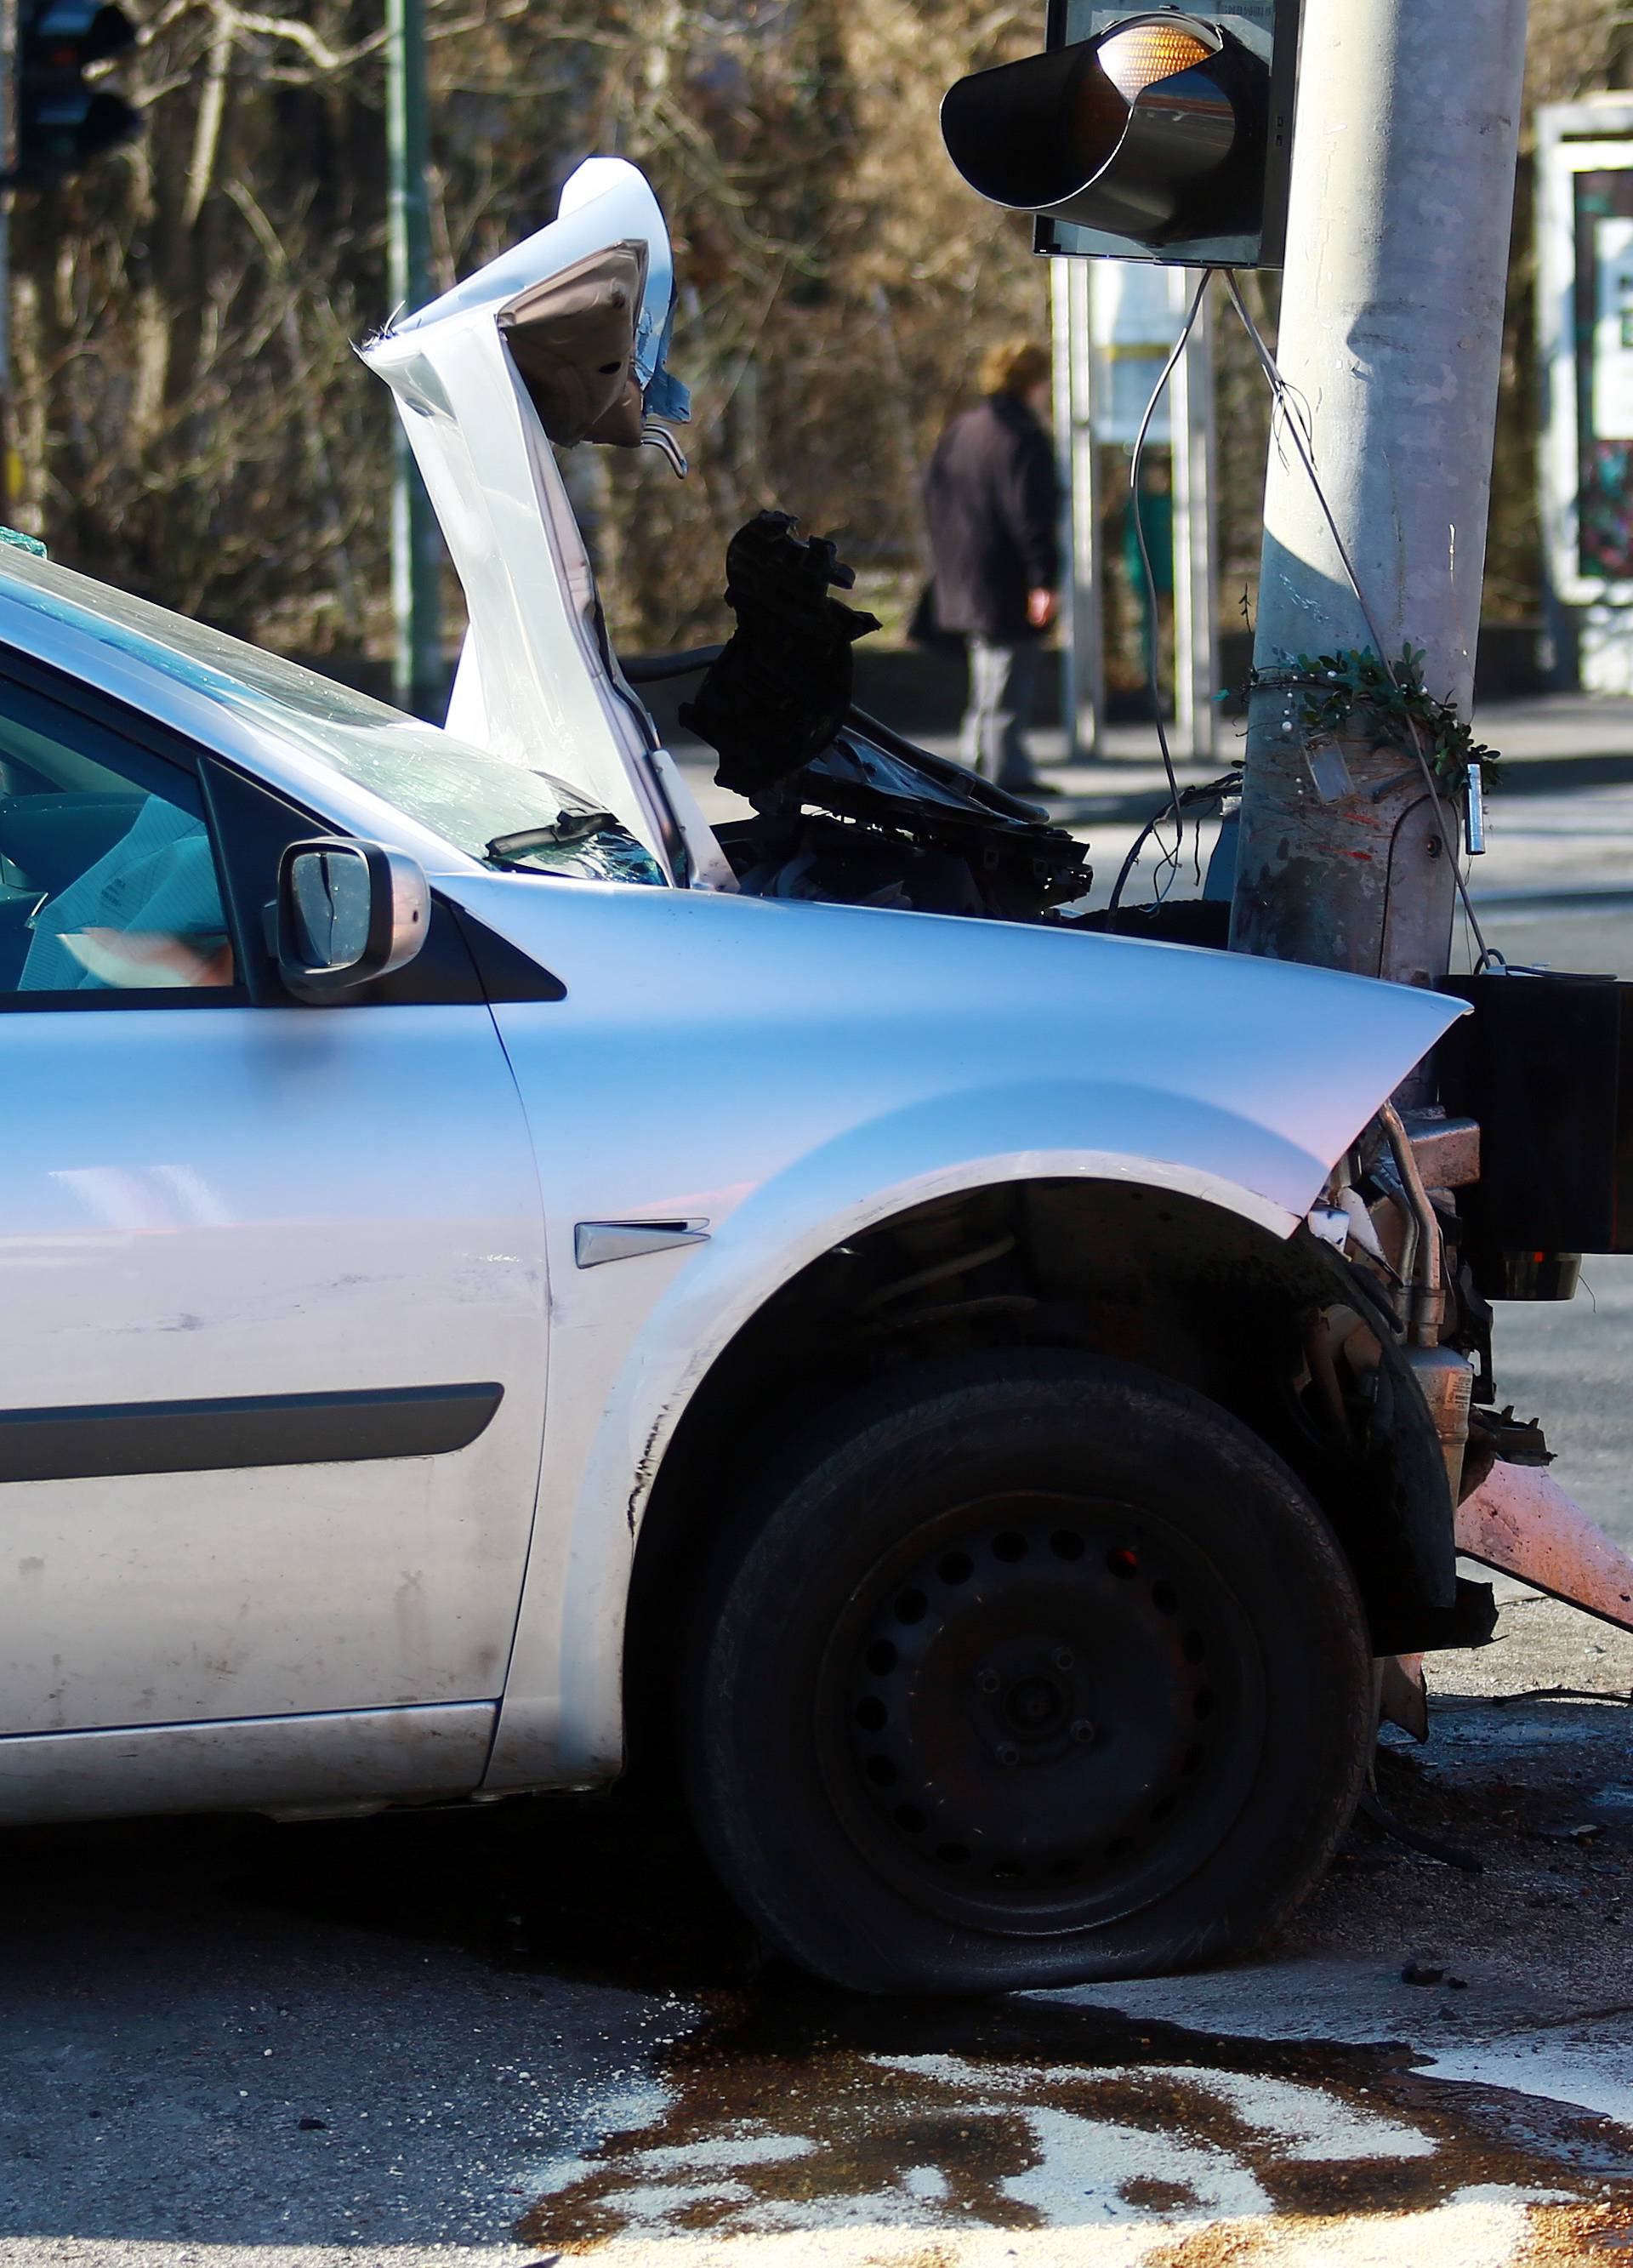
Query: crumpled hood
(783, 1024)
(605, 201)
(536, 683)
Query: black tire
(1027, 1670)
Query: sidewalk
(1559, 823)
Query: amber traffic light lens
(1137, 58)
(1153, 133)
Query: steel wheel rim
(1040, 1712)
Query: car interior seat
(48, 842)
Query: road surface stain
(785, 2122)
(1028, 2131)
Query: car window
(108, 890)
(469, 797)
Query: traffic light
(1162, 136)
(62, 122)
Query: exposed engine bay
(876, 822)
(845, 809)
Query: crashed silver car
(505, 1282)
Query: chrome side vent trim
(595, 1242)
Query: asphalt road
(536, 2031)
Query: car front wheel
(1034, 1670)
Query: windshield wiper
(567, 826)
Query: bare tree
(190, 418)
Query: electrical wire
(1189, 797)
(1296, 425)
(1558, 1693)
(1372, 1806)
(1171, 858)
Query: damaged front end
(562, 342)
(846, 810)
(1399, 1208)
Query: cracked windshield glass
(472, 799)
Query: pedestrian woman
(992, 500)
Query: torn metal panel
(560, 338)
(1402, 1697)
(1520, 1521)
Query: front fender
(611, 1421)
(795, 1073)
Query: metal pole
(1060, 400)
(1195, 545)
(1403, 170)
(7, 160)
(417, 676)
(1083, 665)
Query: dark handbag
(924, 626)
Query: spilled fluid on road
(778, 2122)
(781, 2115)
(1083, 2135)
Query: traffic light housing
(1161, 134)
(62, 123)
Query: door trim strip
(98, 1441)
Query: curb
(1548, 897)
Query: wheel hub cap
(1040, 1713)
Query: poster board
(1585, 320)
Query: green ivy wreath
(1352, 691)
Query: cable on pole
(1169, 860)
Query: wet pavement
(538, 2031)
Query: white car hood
(753, 1032)
(536, 682)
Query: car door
(272, 1298)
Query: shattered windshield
(467, 796)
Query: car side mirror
(345, 913)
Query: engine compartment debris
(848, 811)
